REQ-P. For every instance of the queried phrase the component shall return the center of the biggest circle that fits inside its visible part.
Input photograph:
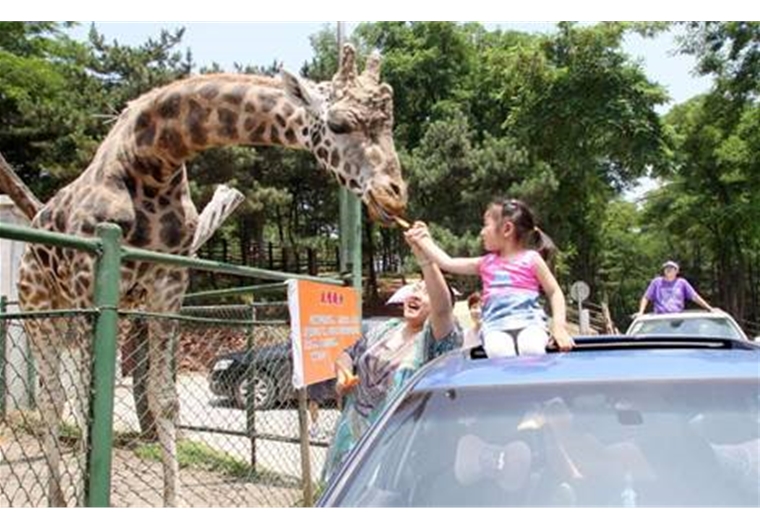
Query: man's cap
(670, 263)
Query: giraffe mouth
(378, 212)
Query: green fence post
(98, 487)
(3, 342)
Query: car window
(708, 327)
(628, 444)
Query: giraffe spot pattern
(179, 175)
(87, 228)
(150, 191)
(209, 91)
(274, 135)
(288, 110)
(60, 221)
(171, 230)
(196, 123)
(267, 101)
(170, 106)
(236, 95)
(146, 137)
(131, 183)
(335, 158)
(139, 235)
(43, 256)
(228, 123)
(149, 206)
(290, 136)
(171, 141)
(257, 136)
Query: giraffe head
(351, 132)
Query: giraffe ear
(302, 93)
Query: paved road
(201, 409)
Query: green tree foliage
(58, 97)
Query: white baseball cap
(670, 263)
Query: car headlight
(222, 365)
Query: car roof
(632, 358)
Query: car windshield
(627, 444)
(706, 327)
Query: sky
(263, 43)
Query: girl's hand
(562, 338)
(418, 231)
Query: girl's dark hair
(528, 232)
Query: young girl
(512, 275)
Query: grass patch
(197, 455)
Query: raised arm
(441, 305)
(557, 302)
(419, 235)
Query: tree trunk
(371, 289)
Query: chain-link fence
(43, 416)
(203, 414)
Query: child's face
(496, 231)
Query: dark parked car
(619, 421)
(271, 380)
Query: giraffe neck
(164, 128)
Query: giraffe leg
(50, 401)
(163, 400)
(61, 349)
(52, 397)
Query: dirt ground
(23, 474)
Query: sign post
(579, 292)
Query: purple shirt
(669, 297)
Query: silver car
(700, 323)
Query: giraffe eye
(339, 125)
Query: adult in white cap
(669, 293)
(388, 355)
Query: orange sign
(324, 321)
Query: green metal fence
(242, 436)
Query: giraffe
(136, 180)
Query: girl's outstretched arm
(557, 301)
(419, 235)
